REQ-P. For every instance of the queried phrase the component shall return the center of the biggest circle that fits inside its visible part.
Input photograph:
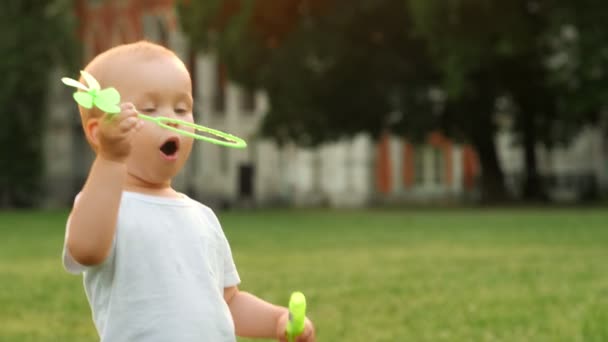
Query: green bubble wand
(297, 316)
(108, 100)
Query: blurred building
(571, 172)
(348, 173)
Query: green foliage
(547, 57)
(35, 37)
(330, 70)
(466, 37)
(580, 57)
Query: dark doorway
(246, 176)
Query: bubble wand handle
(297, 316)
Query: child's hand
(115, 132)
(308, 335)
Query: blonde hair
(139, 51)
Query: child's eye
(148, 110)
(181, 111)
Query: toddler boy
(156, 264)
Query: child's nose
(173, 124)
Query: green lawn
(412, 275)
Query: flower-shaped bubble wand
(108, 100)
(297, 316)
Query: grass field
(412, 275)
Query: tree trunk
(492, 180)
(532, 188)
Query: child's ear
(90, 130)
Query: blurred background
(438, 168)
(343, 103)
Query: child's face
(157, 87)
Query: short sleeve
(69, 264)
(231, 275)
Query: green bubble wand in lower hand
(297, 316)
(108, 100)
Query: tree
(579, 59)
(334, 68)
(479, 46)
(331, 68)
(528, 52)
(580, 66)
(35, 36)
(363, 66)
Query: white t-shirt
(164, 279)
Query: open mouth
(169, 148)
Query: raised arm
(92, 222)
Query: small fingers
(127, 110)
(305, 337)
(128, 124)
(140, 124)
(308, 335)
(128, 117)
(127, 106)
(128, 114)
